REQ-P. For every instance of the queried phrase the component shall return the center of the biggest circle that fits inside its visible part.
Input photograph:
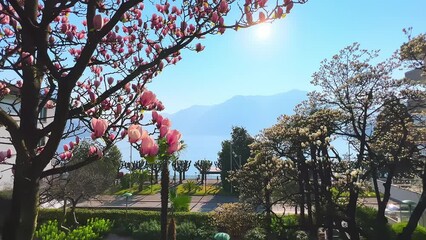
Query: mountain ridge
(204, 127)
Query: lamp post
(63, 180)
(410, 203)
(127, 195)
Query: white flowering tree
(353, 83)
(414, 55)
(264, 181)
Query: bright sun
(263, 31)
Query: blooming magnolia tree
(263, 181)
(414, 55)
(90, 62)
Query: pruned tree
(181, 166)
(203, 166)
(90, 62)
(154, 169)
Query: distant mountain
(205, 127)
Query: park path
(205, 203)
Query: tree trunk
(268, 217)
(172, 229)
(180, 177)
(380, 218)
(351, 214)
(417, 212)
(414, 219)
(165, 178)
(22, 220)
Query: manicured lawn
(146, 191)
(200, 191)
(214, 189)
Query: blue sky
(245, 63)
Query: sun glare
(263, 31)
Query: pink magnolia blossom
(154, 116)
(99, 127)
(214, 17)
(223, 6)
(199, 47)
(136, 133)
(27, 58)
(72, 145)
(147, 98)
(173, 141)
(173, 148)
(5, 154)
(50, 104)
(94, 150)
(164, 129)
(98, 22)
(149, 147)
(262, 16)
(4, 19)
(279, 13)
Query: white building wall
(6, 176)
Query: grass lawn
(214, 189)
(200, 191)
(134, 190)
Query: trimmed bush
(134, 217)
(235, 219)
(255, 234)
(94, 230)
(50, 230)
(181, 203)
(186, 231)
(418, 234)
(148, 230)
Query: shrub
(418, 234)
(83, 233)
(190, 186)
(94, 230)
(186, 231)
(148, 230)
(301, 235)
(50, 230)
(126, 180)
(206, 232)
(100, 226)
(366, 220)
(255, 234)
(234, 218)
(181, 203)
(285, 226)
(118, 216)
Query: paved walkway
(152, 202)
(206, 203)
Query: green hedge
(119, 215)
